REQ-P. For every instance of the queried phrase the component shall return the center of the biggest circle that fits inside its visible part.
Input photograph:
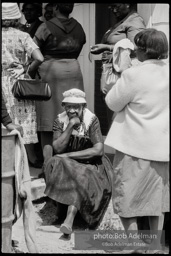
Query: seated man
(78, 174)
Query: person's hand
(99, 48)
(62, 155)
(16, 70)
(17, 127)
(106, 57)
(74, 121)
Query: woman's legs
(31, 153)
(66, 227)
(156, 222)
(46, 138)
(72, 210)
(156, 226)
(129, 223)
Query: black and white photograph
(85, 128)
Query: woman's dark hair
(10, 23)
(153, 42)
(37, 6)
(65, 8)
(48, 5)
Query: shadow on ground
(53, 213)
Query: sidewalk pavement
(48, 237)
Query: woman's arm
(95, 151)
(37, 60)
(121, 93)
(60, 140)
(97, 140)
(100, 48)
(33, 53)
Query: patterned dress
(86, 184)
(16, 45)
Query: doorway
(104, 19)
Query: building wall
(155, 16)
(85, 14)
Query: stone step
(37, 184)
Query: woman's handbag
(108, 77)
(31, 89)
(116, 63)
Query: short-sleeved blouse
(15, 45)
(93, 132)
(60, 38)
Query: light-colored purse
(120, 61)
(108, 77)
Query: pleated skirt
(140, 187)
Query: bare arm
(95, 151)
(100, 48)
(61, 140)
(37, 60)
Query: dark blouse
(94, 131)
(60, 38)
(32, 28)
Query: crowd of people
(67, 134)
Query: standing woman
(140, 135)
(15, 45)
(128, 24)
(48, 14)
(32, 12)
(61, 40)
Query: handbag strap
(26, 75)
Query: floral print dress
(16, 46)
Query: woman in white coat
(140, 135)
